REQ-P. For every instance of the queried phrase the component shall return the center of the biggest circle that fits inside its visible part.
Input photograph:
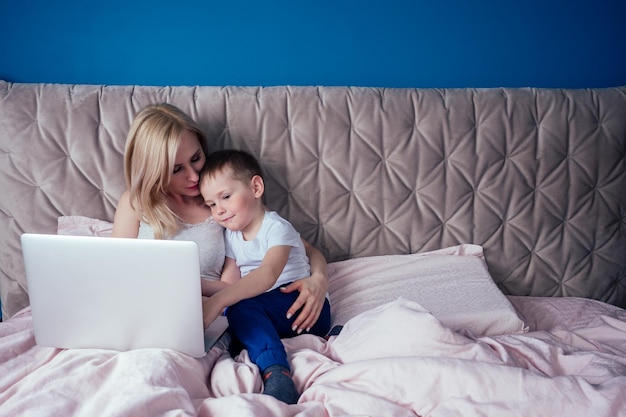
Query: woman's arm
(211, 286)
(230, 275)
(312, 291)
(230, 272)
(126, 221)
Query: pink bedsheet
(396, 360)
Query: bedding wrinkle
(234, 376)
(315, 359)
(394, 360)
(510, 384)
(20, 359)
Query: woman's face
(189, 161)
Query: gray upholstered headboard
(536, 176)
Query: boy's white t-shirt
(275, 231)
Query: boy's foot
(277, 382)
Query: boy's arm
(254, 283)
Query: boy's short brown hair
(243, 164)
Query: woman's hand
(311, 300)
(312, 291)
(210, 311)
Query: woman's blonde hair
(149, 158)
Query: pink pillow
(83, 226)
(453, 284)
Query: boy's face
(235, 204)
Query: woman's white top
(208, 235)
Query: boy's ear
(258, 186)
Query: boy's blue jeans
(260, 322)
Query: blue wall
(387, 43)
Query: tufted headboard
(535, 176)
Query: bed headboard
(535, 176)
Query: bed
(476, 241)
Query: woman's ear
(258, 186)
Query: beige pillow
(453, 284)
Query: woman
(165, 151)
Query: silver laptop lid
(113, 293)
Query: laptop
(115, 293)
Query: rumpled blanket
(394, 360)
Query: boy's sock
(334, 331)
(235, 347)
(277, 382)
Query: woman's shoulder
(124, 200)
(126, 221)
(125, 206)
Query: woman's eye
(177, 169)
(197, 157)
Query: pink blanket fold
(395, 360)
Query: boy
(270, 254)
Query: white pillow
(83, 226)
(453, 284)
